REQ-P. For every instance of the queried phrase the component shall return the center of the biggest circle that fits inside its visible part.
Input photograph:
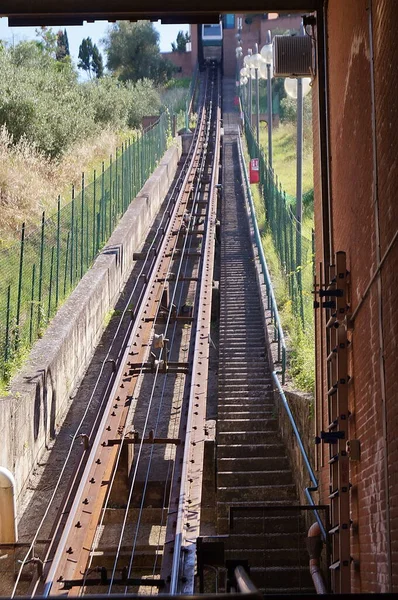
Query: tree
(62, 50)
(90, 59)
(48, 40)
(180, 44)
(97, 65)
(133, 52)
(85, 54)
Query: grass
(284, 155)
(30, 182)
(300, 341)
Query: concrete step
(230, 450)
(245, 523)
(262, 478)
(268, 557)
(246, 425)
(253, 464)
(281, 577)
(247, 437)
(233, 413)
(257, 493)
(269, 541)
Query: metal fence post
(72, 238)
(103, 205)
(7, 340)
(66, 261)
(32, 299)
(58, 250)
(94, 211)
(82, 230)
(17, 337)
(41, 271)
(50, 287)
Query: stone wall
(40, 393)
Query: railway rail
(140, 477)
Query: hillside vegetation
(300, 338)
(53, 127)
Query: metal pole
(17, 337)
(299, 191)
(82, 229)
(32, 299)
(269, 97)
(94, 210)
(257, 110)
(50, 289)
(250, 100)
(58, 250)
(41, 271)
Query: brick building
(357, 212)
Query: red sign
(254, 171)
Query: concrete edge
(40, 394)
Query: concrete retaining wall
(40, 393)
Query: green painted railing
(294, 250)
(38, 273)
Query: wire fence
(39, 272)
(295, 251)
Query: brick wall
(357, 224)
(182, 60)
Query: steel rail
(71, 564)
(159, 232)
(190, 494)
(199, 172)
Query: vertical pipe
(17, 338)
(58, 250)
(82, 230)
(32, 299)
(269, 107)
(50, 288)
(257, 110)
(250, 100)
(41, 271)
(299, 194)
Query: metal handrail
(266, 275)
(281, 342)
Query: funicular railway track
(132, 515)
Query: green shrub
(42, 100)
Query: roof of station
(74, 12)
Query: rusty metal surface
(69, 559)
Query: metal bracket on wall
(337, 312)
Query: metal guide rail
(175, 308)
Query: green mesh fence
(38, 273)
(295, 250)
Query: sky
(76, 33)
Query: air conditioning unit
(292, 56)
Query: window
(229, 21)
(212, 30)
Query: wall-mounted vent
(292, 56)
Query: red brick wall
(373, 397)
(182, 60)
